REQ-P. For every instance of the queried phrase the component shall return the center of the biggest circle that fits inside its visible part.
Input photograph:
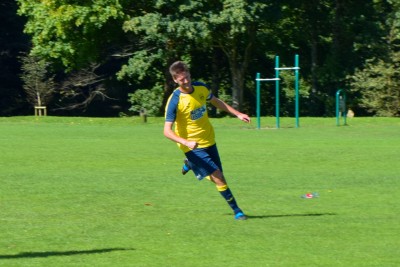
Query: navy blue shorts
(204, 161)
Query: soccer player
(187, 124)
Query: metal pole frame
(296, 86)
(277, 101)
(258, 99)
(296, 69)
(338, 107)
(258, 93)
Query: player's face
(183, 80)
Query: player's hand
(191, 144)
(244, 117)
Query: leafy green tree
(38, 84)
(225, 42)
(167, 31)
(74, 36)
(377, 84)
(74, 33)
(147, 101)
(233, 29)
(205, 25)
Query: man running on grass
(194, 134)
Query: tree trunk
(237, 74)
(169, 85)
(238, 65)
(215, 79)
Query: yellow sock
(222, 188)
(227, 194)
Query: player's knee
(218, 178)
(217, 174)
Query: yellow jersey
(189, 113)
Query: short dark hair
(178, 67)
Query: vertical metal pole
(344, 108)
(337, 107)
(296, 85)
(258, 99)
(277, 91)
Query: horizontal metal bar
(294, 68)
(269, 79)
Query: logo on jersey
(198, 113)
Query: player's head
(178, 67)
(180, 74)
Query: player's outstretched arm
(218, 103)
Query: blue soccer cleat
(240, 216)
(186, 167)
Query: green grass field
(108, 192)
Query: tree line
(111, 57)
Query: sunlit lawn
(108, 192)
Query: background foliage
(147, 101)
(39, 87)
(226, 42)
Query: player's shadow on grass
(289, 215)
(46, 254)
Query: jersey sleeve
(210, 94)
(171, 107)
